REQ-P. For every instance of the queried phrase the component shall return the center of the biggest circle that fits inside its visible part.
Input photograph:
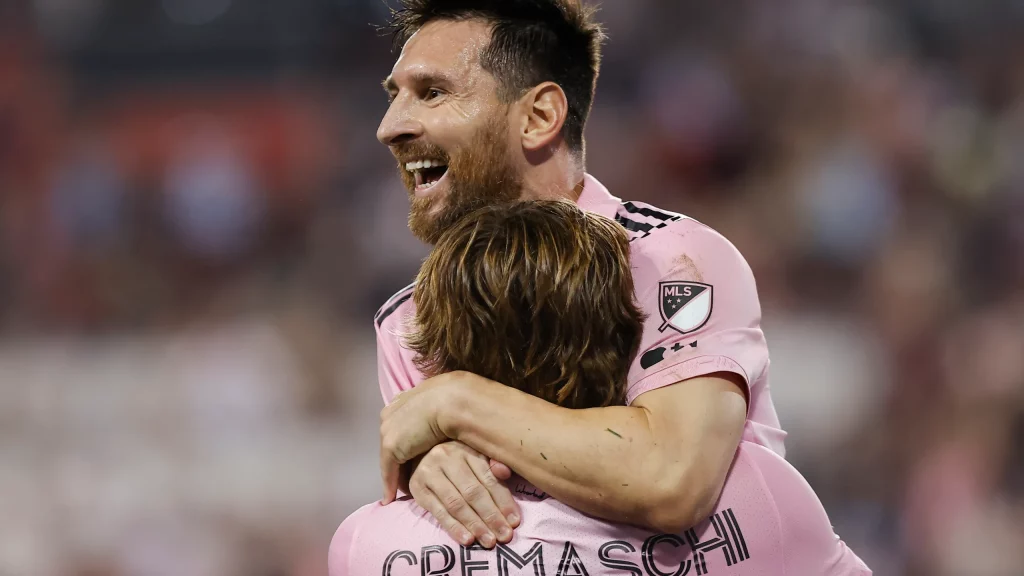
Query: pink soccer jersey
(703, 314)
(768, 522)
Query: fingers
(457, 486)
(500, 471)
(390, 472)
(430, 502)
(476, 486)
(390, 480)
(499, 495)
(391, 458)
(449, 485)
(444, 501)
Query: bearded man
(488, 103)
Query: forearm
(605, 462)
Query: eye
(433, 94)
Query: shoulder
(652, 229)
(340, 551)
(667, 244)
(394, 307)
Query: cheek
(465, 117)
(452, 131)
(468, 109)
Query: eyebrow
(417, 77)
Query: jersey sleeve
(703, 313)
(393, 375)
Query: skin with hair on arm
(671, 446)
(632, 464)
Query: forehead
(443, 46)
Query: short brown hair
(537, 295)
(532, 41)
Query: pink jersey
(703, 314)
(768, 522)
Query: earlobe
(546, 109)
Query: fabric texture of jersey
(768, 522)
(703, 313)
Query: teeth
(423, 164)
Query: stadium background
(197, 225)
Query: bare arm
(659, 463)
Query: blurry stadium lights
(195, 12)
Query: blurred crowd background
(197, 226)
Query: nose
(398, 125)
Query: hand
(408, 428)
(462, 489)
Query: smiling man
(489, 98)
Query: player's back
(768, 522)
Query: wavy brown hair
(537, 295)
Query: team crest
(685, 306)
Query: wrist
(453, 412)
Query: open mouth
(427, 173)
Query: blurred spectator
(213, 201)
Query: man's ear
(545, 110)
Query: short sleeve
(392, 375)
(703, 313)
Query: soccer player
(540, 294)
(488, 99)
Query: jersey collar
(597, 199)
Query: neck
(559, 178)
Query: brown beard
(479, 175)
